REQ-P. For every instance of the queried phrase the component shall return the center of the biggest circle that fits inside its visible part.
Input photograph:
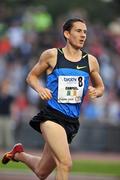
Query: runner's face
(77, 35)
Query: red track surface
(29, 176)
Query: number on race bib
(80, 79)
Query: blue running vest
(69, 83)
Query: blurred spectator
(15, 34)
(114, 33)
(107, 71)
(17, 113)
(113, 108)
(2, 68)
(114, 26)
(5, 46)
(42, 19)
(16, 75)
(90, 112)
(37, 19)
(6, 129)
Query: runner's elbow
(29, 78)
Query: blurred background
(29, 27)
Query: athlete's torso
(69, 83)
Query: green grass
(13, 166)
(97, 167)
(82, 166)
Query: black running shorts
(71, 125)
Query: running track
(29, 176)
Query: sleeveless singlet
(69, 83)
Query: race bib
(70, 89)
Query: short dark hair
(67, 26)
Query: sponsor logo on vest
(69, 79)
(81, 67)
